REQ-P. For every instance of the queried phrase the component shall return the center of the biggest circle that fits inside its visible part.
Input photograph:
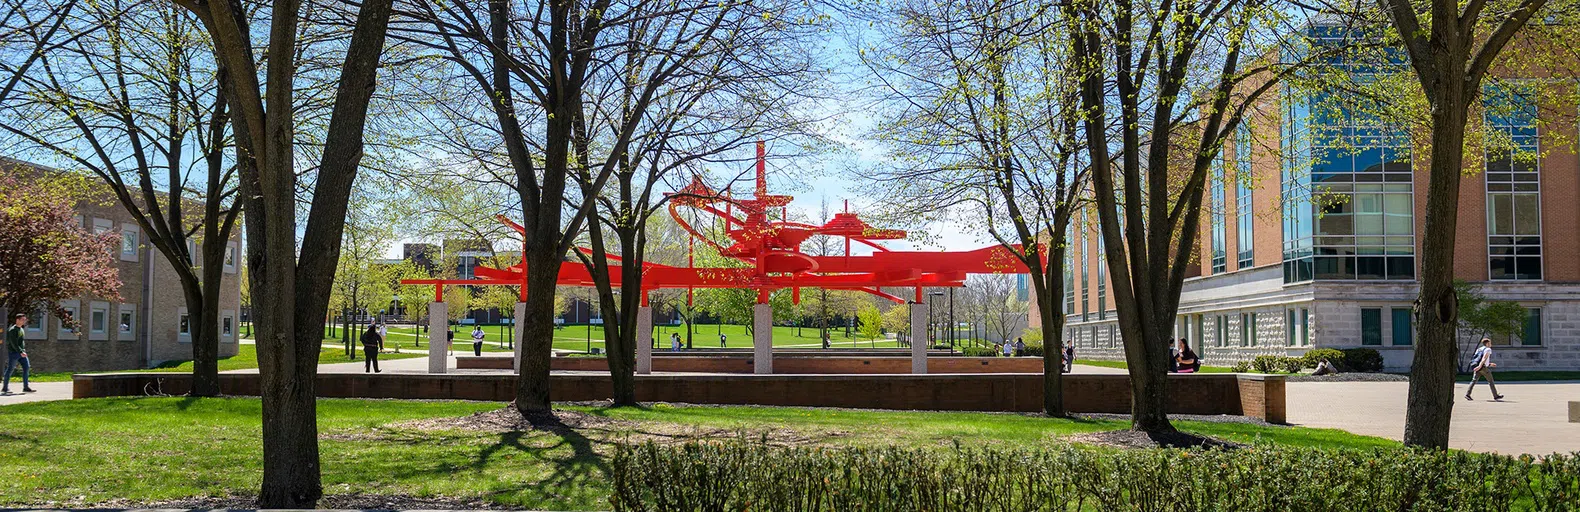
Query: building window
(1102, 282)
(1069, 271)
(1243, 200)
(1533, 328)
(184, 326)
(192, 253)
(230, 258)
(99, 322)
(1222, 331)
(1402, 334)
(1371, 326)
(1514, 220)
(129, 242)
(127, 324)
(225, 330)
(1305, 327)
(72, 310)
(36, 323)
(1220, 251)
(1352, 169)
(1289, 328)
(1086, 277)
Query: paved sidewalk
(1532, 418)
(46, 391)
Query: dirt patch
(508, 419)
(335, 501)
(1137, 439)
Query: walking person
(1020, 348)
(721, 340)
(1069, 356)
(1009, 349)
(674, 339)
(477, 340)
(449, 342)
(1483, 368)
(16, 353)
(372, 343)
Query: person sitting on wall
(1174, 356)
(1186, 361)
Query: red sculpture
(771, 249)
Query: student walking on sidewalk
(1483, 368)
(16, 353)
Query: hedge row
(741, 475)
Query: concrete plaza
(1532, 418)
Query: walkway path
(1532, 418)
(46, 391)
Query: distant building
(1309, 236)
(149, 324)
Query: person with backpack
(372, 342)
(1483, 366)
(16, 354)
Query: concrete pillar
(918, 338)
(763, 338)
(438, 342)
(644, 340)
(520, 326)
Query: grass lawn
(83, 452)
(246, 358)
(1122, 365)
(579, 337)
(1526, 376)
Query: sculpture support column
(644, 340)
(763, 338)
(519, 326)
(438, 339)
(918, 338)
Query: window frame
(100, 332)
(1365, 336)
(130, 333)
(133, 231)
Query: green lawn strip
(159, 449)
(1526, 376)
(1122, 365)
(246, 358)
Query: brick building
(1309, 231)
(149, 324)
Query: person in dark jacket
(1186, 361)
(371, 344)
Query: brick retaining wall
(793, 364)
(1257, 396)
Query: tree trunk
(537, 332)
(1431, 399)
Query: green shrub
(742, 475)
(1362, 360)
(1241, 367)
(1032, 350)
(1291, 364)
(1315, 356)
(978, 352)
(1265, 364)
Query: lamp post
(934, 293)
(952, 325)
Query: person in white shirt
(477, 340)
(1482, 367)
